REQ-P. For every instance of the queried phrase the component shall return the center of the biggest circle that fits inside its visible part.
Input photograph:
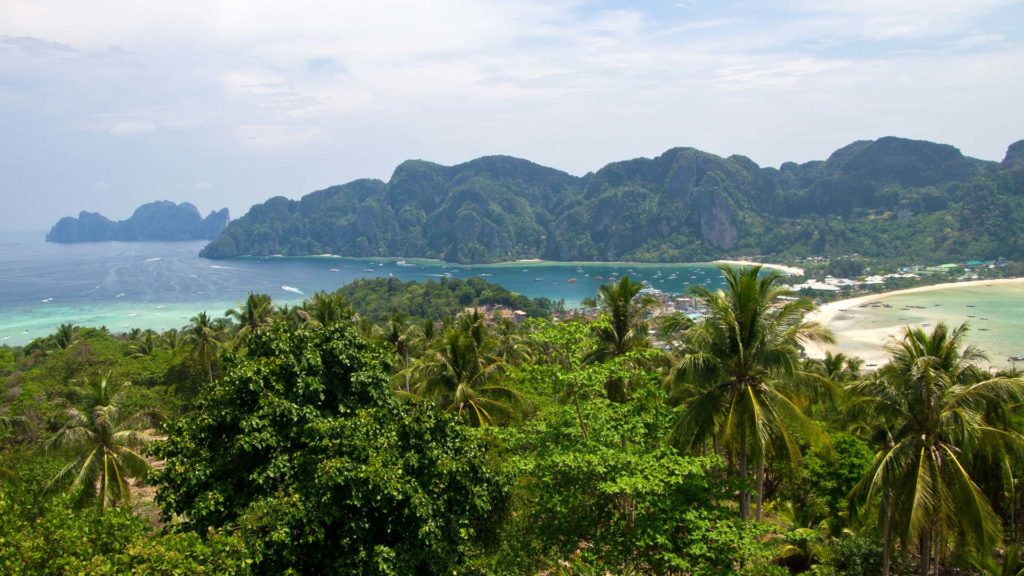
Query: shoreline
(788, 270)
(827, 312)
(874, 339)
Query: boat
(598, 278)
(1016, 358)
(571, 281)
(334, 270)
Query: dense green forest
(314, 440)
(887, 198)
(378, 299)
(155, 221)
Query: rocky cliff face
(156, 221)
(1015, 153)
(888, 198)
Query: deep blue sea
(160, 285)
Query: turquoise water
(993, 313)
(125, 285)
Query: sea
(160, 285)
(993, 314)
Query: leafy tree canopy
(303, 447)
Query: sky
(107, 104)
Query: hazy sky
(107, 104)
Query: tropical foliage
(104, 447)
(621, 440)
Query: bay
(160, 285)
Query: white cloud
(132, 127)
(338, 90)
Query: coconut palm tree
(325, 308)
(66, 335)
(739, 373)
(205, 338)
(460, 375)
(256, 312)
(509, 343)
(146, 344)
(625, 309)
(1012, 563)
(104, 448)
(10, 424)
(624, 328)
(172, 339)
(405, 338)
(933, 403)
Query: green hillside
(889, 197)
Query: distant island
(885, 198)
(156, 221)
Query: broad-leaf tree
(304, 449)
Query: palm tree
(256, 312)
(624, 329)
(10, 424)
(933, 403)
(104, 448)
(840, 367)
(738, 374)
(404, 337)
(625, 309)
(460, 376)
(66, 335)
(205, 339)
(325, 308)
(1012, 564)
(172, 339)
(509, 343)
(146, 344)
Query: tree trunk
(760, 488)
(926, 552)
(886, 535)
(745, 489)
(209, 366)
(579, 415)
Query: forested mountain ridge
(155, 221)
(890, 197)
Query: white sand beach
(789, 270)
(864, 332)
